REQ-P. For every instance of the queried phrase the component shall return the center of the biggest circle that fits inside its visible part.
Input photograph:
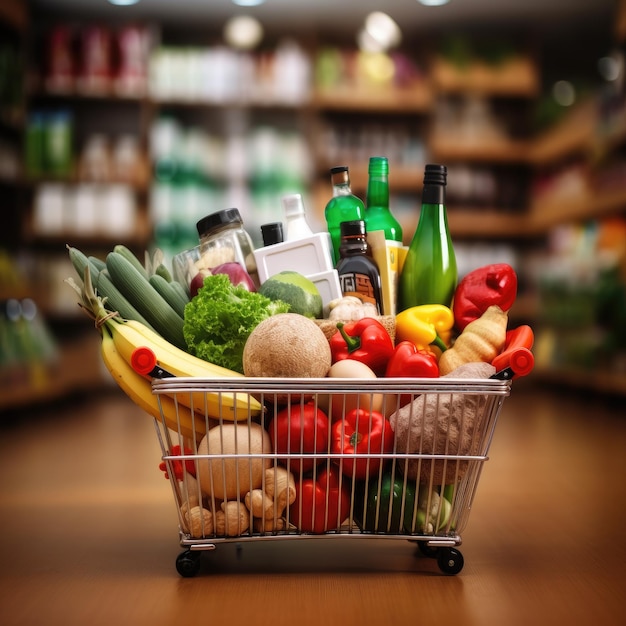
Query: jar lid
(220, 218)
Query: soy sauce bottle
(359, 275)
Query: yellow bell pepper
(425, 325)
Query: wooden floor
(89, 533)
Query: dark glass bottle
(429, 273)
(377, 213)
(358, 272)
(344, 206)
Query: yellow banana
(177, 417)
(129, 335)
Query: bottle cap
(378, 166)
(435, 174)
(272, 233)
(352, 228)
(220, 218)
(293, 205)
(338, 169)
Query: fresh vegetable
(179, 467)
(361, 432)
(409, 360)
(350, 308)
(233, 465)
(299, 430)
(337, 405)
(365, 340)
(112, 298)
(232, 520)
(236, 273)
(433, 512)
(321, 504)
(287, 345)
(280, 492)
(516, 354)
(389, 504)
(481, 288)
(146, 299)
(176, 298)
(425, 325)
(297, 290)
(219, 320)
(481, 340)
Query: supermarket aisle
(89, 532)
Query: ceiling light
(123, 3)
(243, 32)
(433, 3)
(383, 29)
(248, 3)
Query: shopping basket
(419, 487)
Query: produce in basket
(230, 477)
(287, 345)
(445, 424)
(481, 340)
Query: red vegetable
(235, 272)
(177, 466)
(321, 504)
(516, 354)
(361, 432)
(408, 360)
(365, 340)
(483, 287)
(298, 430)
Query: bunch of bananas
(134, 332)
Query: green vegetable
(220, 318)
(296, 290)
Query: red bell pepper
(408, 360)
(177, 466)
(365, 340)
(482, 288)
(321, 504)
(361, 432)
(298, 430)
(516, 354)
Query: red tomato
(298, 430)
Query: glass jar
(223, 239)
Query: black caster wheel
(450, 560)
(188, 563)
(425, 550)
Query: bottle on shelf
(377, 213)
(295, 216)
(344, 206)
(358, 272)
(429, 273)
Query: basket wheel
(188, 563)
(450, 560)
(425, 550)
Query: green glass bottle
(377, 213)
(429, 273)
(344, 206)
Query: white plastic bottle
(295, 217)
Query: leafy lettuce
(220, 318)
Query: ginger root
(232, 520)
(481, 341)
(279, 493)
